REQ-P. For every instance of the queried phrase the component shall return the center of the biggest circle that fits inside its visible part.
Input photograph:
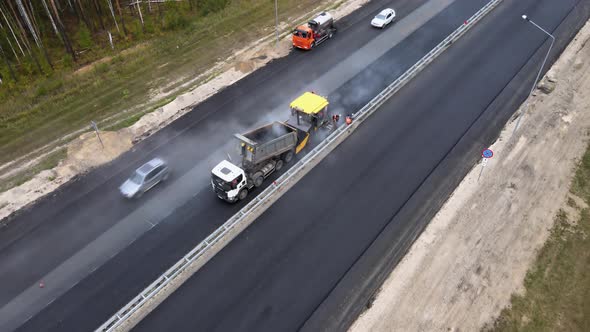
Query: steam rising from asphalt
(348, 87)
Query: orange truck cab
(314, 32)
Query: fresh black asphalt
(69, 219)
(37, 240)
(78, 213)
(280, 274)
(277, 273)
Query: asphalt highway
(280, 271)
(67, 237)
(280, 274)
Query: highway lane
(276, 274)
(110, 286)
(84, 210)
(94, 199)
(67, 225)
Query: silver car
(144, 178)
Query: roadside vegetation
(48, 162)
(557, 296)
(51, 90)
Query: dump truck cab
(314, 32)
(228, 180)
(263, 151)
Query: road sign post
(485, 155)
(95, 127)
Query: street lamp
(277, 21)
(524, 17)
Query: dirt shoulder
(557, 287)
(464, 267)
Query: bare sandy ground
(84, 153)
(223, 74)
(463, 269)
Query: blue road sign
(487, 153)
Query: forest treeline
(40, 36)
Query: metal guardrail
(340, 133)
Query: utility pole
(277, 22)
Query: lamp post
(524, 17)
(277, 22)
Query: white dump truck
(268, 148)
(263, 150)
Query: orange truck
(314, 32)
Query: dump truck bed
(266, 142)
(268, 133)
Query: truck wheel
(279, 165)
(258, 179)
(242, 194)
(288, 156)
(312, 45)
(331, 35)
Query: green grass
(64, 102)
(557, 296)
(49, 162)
(129, 120)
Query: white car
(382, 19)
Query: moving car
(384, 17)
(144, 178)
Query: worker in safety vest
(335, 119)
(348, 119)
